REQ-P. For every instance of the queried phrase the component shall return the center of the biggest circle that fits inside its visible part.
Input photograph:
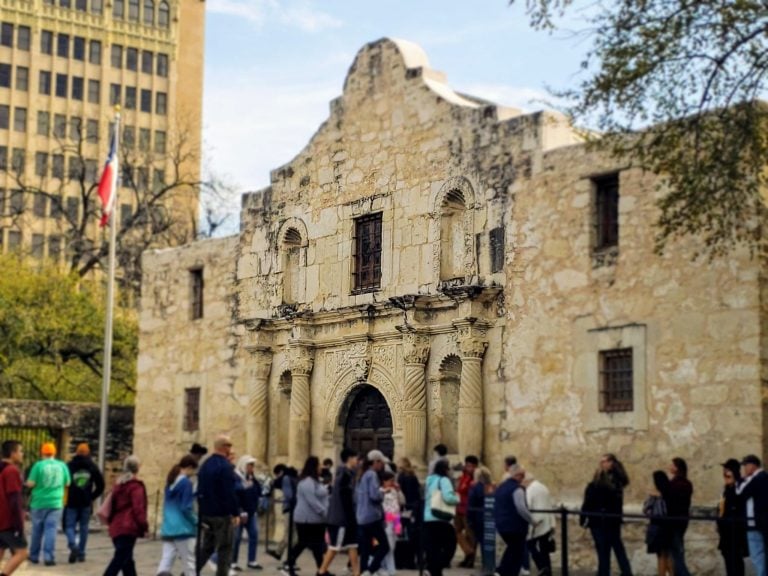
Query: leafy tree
(675, 87)
(160, 187)
(52, 336)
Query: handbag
(440, 508)
(104, 511)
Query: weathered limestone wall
(176, 352)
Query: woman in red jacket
(128, 519)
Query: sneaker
(211, 565)
(72, 556)
(233, 572)
(524, 572)
(235, 568)
(255, 566)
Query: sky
(273, 66)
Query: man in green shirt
(48, 480)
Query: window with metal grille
(606, 211)
(196, 285)
(616, 389)
(496, 244)
(367, 273)
(191, 409)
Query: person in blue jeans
(249, 493)
(601, 512)
(86, 487)
(48, 479)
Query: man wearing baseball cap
(48, 479)
(369, 514)
(754, 491)
(87, 486)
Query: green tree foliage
(675, 87)
(52, 336)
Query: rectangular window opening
(606, 211)
(197, 287)
(191, 409)
(367, 243)
(616, 380)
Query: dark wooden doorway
(369, 423)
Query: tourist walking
(678, 501)
(127, 519)
(309, 515)
(369, 514)
(48, 480)
(391, 504)
(512, 520)
(249, 494)
(179, 527)
(285, 481)
(218, 506)
(86, 487)
(12, 507)
(731, 522)
(464, 536)
(439, 452)
(753, 489)
(342, 526)
(658, 534)
(482, 487)
(542, 535)
(440, 502)
(601, 513)
(410, 515)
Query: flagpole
(107, 376)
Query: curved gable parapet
(391, 57)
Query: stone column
(415, 352)
(472, 345)
(300, 362)
(256, 429)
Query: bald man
(218, 504)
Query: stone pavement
(147, 556)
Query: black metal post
(290, 560)
(563, 541)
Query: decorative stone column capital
(300, 360)
(415, 348)
(261, 359)
(472, 337)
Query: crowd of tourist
(376, 512)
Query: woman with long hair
(439, 533)
(309, 514)
(128, 518)
(658, 537)
(179, 526)
(483, 486)
(602, 513)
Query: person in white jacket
(543, 528)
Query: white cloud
(295, 14)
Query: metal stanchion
(564, 540)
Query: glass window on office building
(5, 116)
(23, 38)
(78, 48)
(44, 83)
(60, 126)
(46, 42)
(62, 45)
(94, 52)
(43, 123)
(22, 78)
(94, 91)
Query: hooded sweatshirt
(179, 519)
(87, 482)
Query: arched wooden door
(369, 423)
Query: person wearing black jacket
(678, 500)
(342, 525)
(218, 505)
(605, 495)
(731, 521)
(512, 519)
(86, 487)
(754, 490)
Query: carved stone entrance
(368, 423)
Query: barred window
(496, 241)
(367, 274)
(616, 389)
(191, 409)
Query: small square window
(191, 409)
(616, 387)
(196, 296)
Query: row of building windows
(59, 166)
(96, 6)
(132, 98)
(75, 46)
(145, 12)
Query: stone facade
(491, 310)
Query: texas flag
(108, 182)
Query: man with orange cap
(48, 480)
(87, 485)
